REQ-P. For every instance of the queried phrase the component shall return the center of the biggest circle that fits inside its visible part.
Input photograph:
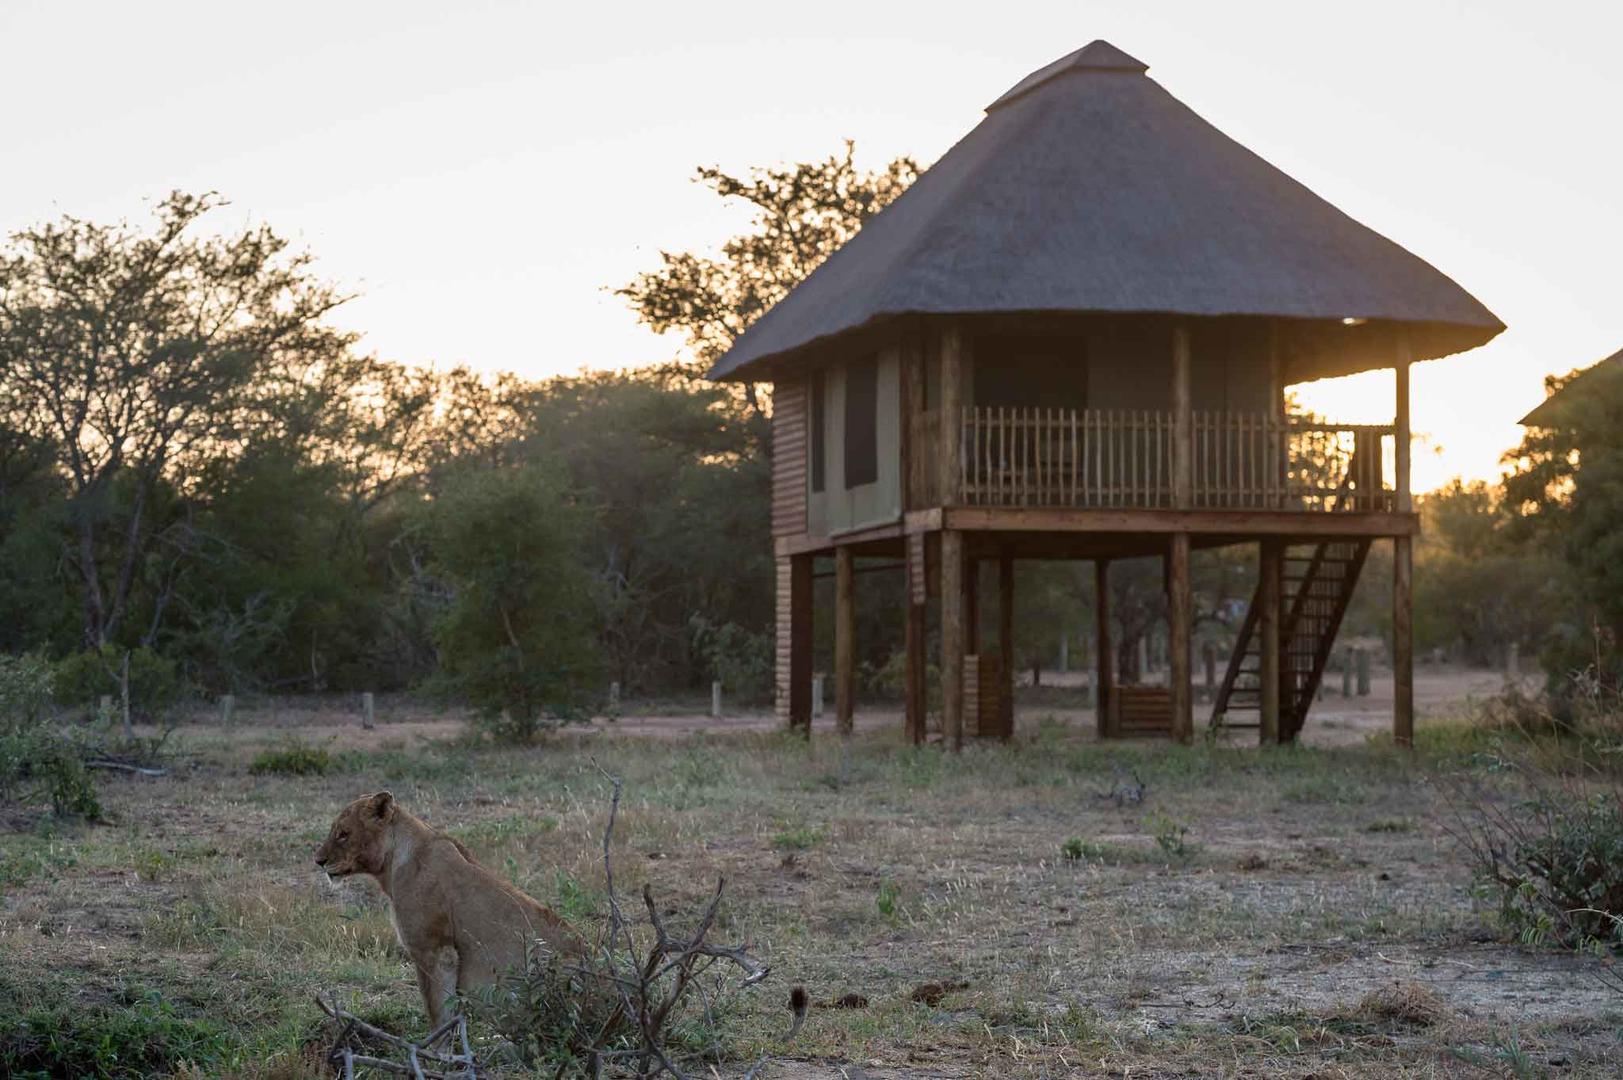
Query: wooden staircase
(1318, 582)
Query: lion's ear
(382, 804)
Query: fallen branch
(124, 766)
(450, 1065)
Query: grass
(1233, 923)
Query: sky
(482, 173)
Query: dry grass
(1308, 885)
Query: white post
(104, 708)
(366, 710)
(1064, 652)
(1513, 659)
(228, 709)
(614, 698)
(715, 699)
(817, 696)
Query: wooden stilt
(1268, 597)
(1402, 562)
(794, 642)
(845, 644)
(952, 639)
(1005, 644)
(1104, 650)
(972, 605)
(1402, 641)
(917, 696)
(1180, 622)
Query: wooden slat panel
(790, 410)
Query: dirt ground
(1292, 912)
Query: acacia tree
(802, 214)
(133, 355)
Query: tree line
(204, 483)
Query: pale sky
(482, 172)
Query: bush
(81, 679)
(739, 658)
(518, 639)
(38, 762)
(1550, 851)
(297, 759)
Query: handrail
(1045, 456)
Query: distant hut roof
(1555, 409)
(1088, 188)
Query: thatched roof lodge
(1071, 339)
(1554, 410)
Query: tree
(802, 214)
(518, 638)
(133, 356)
(1565, 496)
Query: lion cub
(463, 926)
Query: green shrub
(1171, 835)
(39, 761)
(739, 658)
(82, 679)
(887, 897)
(518, 638)
(298, 759)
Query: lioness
(462, 925)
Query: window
(861, 422)
(819, 427)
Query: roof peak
(1095, 56)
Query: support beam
(794, 642)
(1400, 424)
(1180, 620)
(955, 391)
(1104, 650)
(1268, 598)
(1403, 641)
(845, 639)
(1005, 644)
(952, 640)
(1183, 429)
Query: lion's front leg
(437, 978)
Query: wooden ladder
(1318, 583)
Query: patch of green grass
(26, 857)
(886, 899)
(146, 1035)
(299, 759)
(800, 838)
(1171, 835)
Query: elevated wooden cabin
(1070, 339)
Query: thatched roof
(1553, 412)
(1087, 188)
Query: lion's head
(355, 842)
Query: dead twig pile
(651, 984)
(420, 1061)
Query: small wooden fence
(1097, 458)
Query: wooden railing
(1124, 458)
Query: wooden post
(794, 642)
(845, 639)
(1346, 675)
(228, 709)
(1400, 425)
(1103, 652)
(1180, 622)
(1402, 641)
(368, 716)
(1183, 442)
(817, 697)
(1064, 665)
(1268, 590)
(952, 639)
(1005, 644)
(715, 699)
(1361, 657)
(972, 605)
(1208, 656)
(614, 698)
(954, 394)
